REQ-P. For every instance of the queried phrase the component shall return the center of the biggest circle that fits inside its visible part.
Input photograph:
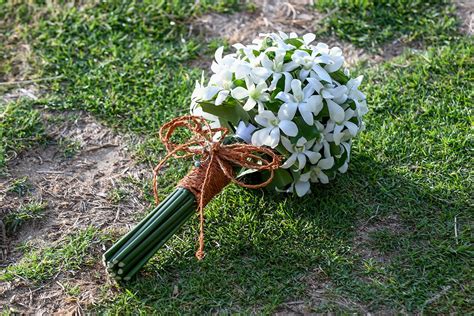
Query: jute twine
(219, 161)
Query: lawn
(393, 235)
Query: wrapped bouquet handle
(218, 162)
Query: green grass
(19, 186)
(20, 127)
(124, 62)
(410, 177)
(370, 24)
(71, 254)
(25, 213)
(68, 147)
(412, 164)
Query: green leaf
(280, 180)
(233, 113)
(304, 130)
(274, 106)
(240, 83)
(339, 161)
(339, 76)
(294, 41)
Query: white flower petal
(259, 137)
(336, 112)
(285, 97)
(296, 88)
(302, 187)
(209, 92)
(221, 96)
(261, 72)
(250, 104)
(303, 74)
(316, 103)
(313, 156)
(317, 85)
(266, 62)
(301, 161)
(287, 111)
(353, 129)
(305, 177)
(287, 144)
(288, 127)
(343, 168)
(239, 93)
(242, 70)
(289, 162)
(274, 137)
(337, 63)
(322, 74)
(327, 94)
(306, 113)
(308, 38)
(290, 66)
(218, 54)
(288, 78)
(276, 78)
(323, 177)
(326, 163)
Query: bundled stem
(126, 257)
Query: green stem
(187, 211)
(154, 222)
(160, 232)
(136, 230)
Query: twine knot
(214, 162)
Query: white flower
(250, 67)
(302, 185)
(203, 93)
(311, 62)
(222, 63)
(302, 100)
(270, 134)
(339, 132)
(299, 153)
(254, 94)
(308, 39)
(335, 55)
(280, 38)
(356, 95)
(257, 45)
(278, 68)
(330, 93)
(222, 80)
(316, 173)
(323, 141)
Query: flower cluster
(298, 97)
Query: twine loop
(216, 166)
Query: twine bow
(219, 158)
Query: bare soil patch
(269, 16)
(362, 240)
(321, 295)
(466, 15)
(80, 176)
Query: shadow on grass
(262, 246)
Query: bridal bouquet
(282, 107)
